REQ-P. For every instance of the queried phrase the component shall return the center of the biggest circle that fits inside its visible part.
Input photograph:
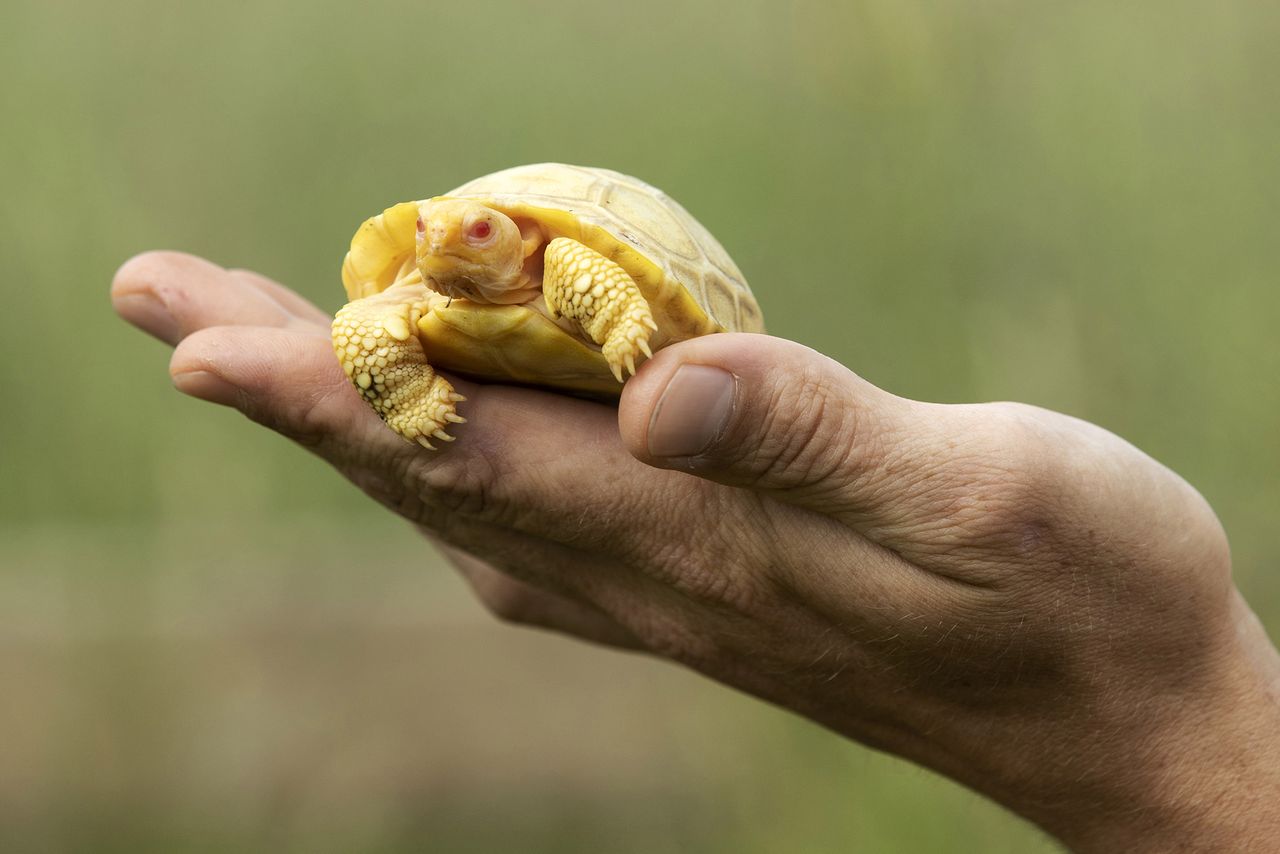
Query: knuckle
(459, 484)
(667, 633)
(712, 582)
(323, 416)
(268, 413)
(1001, 495)
(313, 420)
(508, 602)
(724, 583)
(706, 565)
(719, 586)
(809, 433)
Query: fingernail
(148, 313)
(206, 386)
(692, 412)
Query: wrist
(1191, 771)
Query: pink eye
(422, 226)
(480, 230)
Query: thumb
(771, 415)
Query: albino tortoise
(550, 275)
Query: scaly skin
(598, 295)
(376, 342)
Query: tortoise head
(469, 250)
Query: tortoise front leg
(377, 343)
(598, 295)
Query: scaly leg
(597, 294)
(377, 343)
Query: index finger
(172, 294)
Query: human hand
(1013, 597)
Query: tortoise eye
(480, 230)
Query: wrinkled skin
(1012, 597)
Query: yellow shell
(692, 285)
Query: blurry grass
(1069, 204)
(256, 687)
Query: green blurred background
(1071, 204)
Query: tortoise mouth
(443, 269)
(434, 253)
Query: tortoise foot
(376, 342)
(597, 294)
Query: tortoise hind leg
(598, 295)
(376, 342)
